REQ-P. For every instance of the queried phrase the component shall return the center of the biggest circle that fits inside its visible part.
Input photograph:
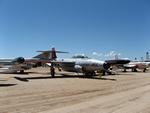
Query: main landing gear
(52, 71)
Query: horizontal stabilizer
(52, 51)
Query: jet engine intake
(19, 60)
(106, 66)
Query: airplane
(20, 64)
(80, 64)
(135, 65)
(13, 65)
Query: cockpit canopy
(80, 56)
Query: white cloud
(112, 54)
(97, 54)
(119, 54)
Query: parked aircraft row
(88, 66)
(78, 63)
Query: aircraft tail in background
(48, 55)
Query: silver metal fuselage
(82, 64)
(138, 64)
(8, 66)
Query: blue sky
(93, 27)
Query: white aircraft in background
(135, 65)
(80, 63)
(13, 65)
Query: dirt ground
(37, 92)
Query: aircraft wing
(65, 65)
(129, 65)
(5, 61)
(52, 51)
(61, 63)
(117, 62)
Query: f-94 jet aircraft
(80, 63)
(13, 65)
(20, 64)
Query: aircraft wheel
(21, 71)
(59, 69)
(134, 70)
(88, 74)
(144, 70)
(92, 73)
(52, 72)
(109, 73)
(103, 73)
(124, 70)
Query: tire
(21, 71)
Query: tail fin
(52, 54)
(48, 55)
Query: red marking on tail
(52, 55)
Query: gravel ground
(37, 92)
